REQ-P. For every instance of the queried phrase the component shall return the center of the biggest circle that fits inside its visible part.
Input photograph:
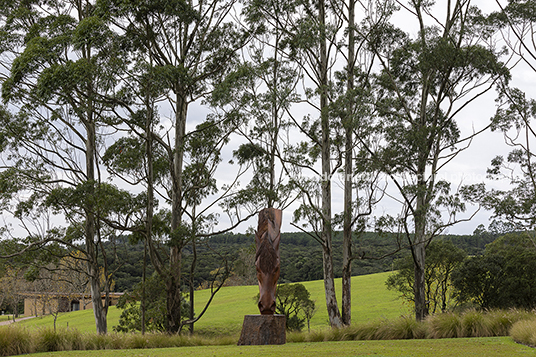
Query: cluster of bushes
(294, 301)
(501, 278)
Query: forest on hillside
(301, 257)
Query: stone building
(38, 304)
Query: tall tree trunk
(192, 295)
(150, 193)
(348, 157)
(90, 232)
(192, 272)
(272, 196)
(327, 256)
(418, 250)
(173, 280)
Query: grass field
(370, 300)
(489, 347)
(5, 317)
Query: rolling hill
(370, 300)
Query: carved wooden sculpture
(267, 259)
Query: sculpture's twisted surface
(267, 259)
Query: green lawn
(5, 317)
(370, 300)
(489, 347)
(82, 320)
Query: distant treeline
(301, 256)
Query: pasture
(218, 330)
(370, 300)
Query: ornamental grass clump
(101, 342)
(500, 321)
(365, 331)
(319, 335)
(446, 325)
(48, 340)
(401, 328)
(524, 331)
(475, 324)
(15, 340)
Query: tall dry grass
(470, 323)
(15, 340)
(524, 331)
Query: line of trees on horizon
(117, 117)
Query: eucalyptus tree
(191, 46)
(515, 118)
(426, 82)
(308, 33)
(259, 93)
(353, 112)
(305, 38)
(62, 62)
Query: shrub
(500, 321)
(47, 340)
(294, 301)
(318, 336)
(296, 337)
(501, 278)
(130, 319)
(365, 331)
(442, 257)
(97, 342)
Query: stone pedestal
(263, 330)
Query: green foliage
(502, 277)
(16, 340)
(294, 301)
(444, 325)
(516, 206)
(167, 346)
(155, 314)
(442, 259)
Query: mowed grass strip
(490, 347)
(370, 300)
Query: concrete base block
(263, 330)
